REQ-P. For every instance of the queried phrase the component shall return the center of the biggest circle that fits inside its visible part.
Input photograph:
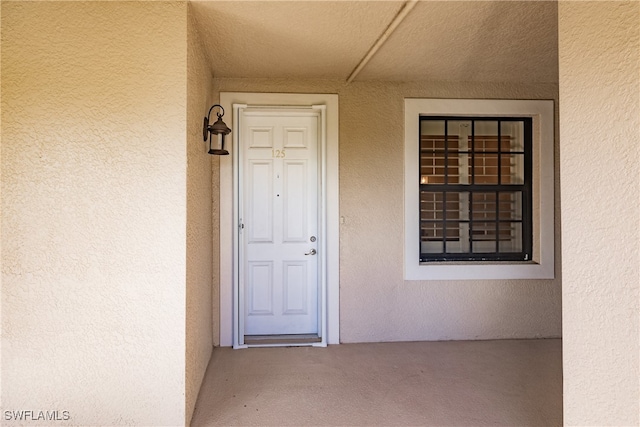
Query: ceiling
(489, 41)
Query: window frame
(472, 187)
(541, 266)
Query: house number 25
(277, 154)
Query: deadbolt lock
(313, 238)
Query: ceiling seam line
(406, 8)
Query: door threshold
(282, 339)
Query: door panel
(295, 196)
(260, 288)
(260, 210)
(279, 211)
(295, 291)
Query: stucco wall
(94, 211)
(215, 261)
(199, 333)
(376, 304)
(599, 45)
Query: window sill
(495, 263)
(478, 270)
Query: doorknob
(311, 252)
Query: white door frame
(327, 104)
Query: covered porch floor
(453, 383)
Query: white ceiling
(490, 41)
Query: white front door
(278, 217)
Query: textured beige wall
(376, 304)
(94, 210)
(1, 328)
(1, 216)
(600, 153)
(199, 333)
(215, 218)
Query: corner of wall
(93, 210)
(201, 251)
(600, 165)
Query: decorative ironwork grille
(475, 189)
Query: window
(475, 189)
(478, 189)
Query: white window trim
(542, 265)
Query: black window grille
(475, 188)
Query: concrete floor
(454, 383)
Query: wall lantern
(219, 129)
